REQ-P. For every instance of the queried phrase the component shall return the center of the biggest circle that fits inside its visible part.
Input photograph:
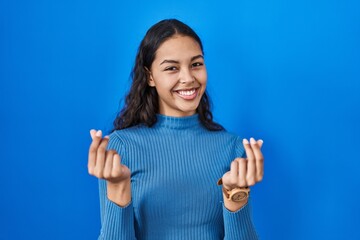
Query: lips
(187, 94)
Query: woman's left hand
(246, 172)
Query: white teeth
(187, 93)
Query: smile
(188, 94)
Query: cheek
(163, 81)
(202, 77)
(165, 85)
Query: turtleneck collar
(177, 122)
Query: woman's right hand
(106, 164)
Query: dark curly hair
(141, 103)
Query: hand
(246, 172)
(105, 164)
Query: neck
(177, 122)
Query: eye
(171, 68)
(197, 64)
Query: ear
(150, 79)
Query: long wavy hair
(142, 103)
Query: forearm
(238, 224)
(117, 222)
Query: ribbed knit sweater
(174, 166)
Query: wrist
(233, 206)
(235, 198)
(119, 193)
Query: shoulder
(129, 135)
(227, 142)
(127, 132)
(119, 138)
(225, 135)
(235, 142)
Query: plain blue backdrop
(284, 71)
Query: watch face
(237, 197)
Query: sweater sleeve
(116, 222)
(239, 224)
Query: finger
(248, 150)
(229, 179)
(242, 172)
(100, 158)
(260, 143)
(116, 166)
(234, 172)
(251, 168)
(93, 151)
(92, 133)
(108, 163)
(259, 160)
(259, 170)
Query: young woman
(160, 166)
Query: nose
(186, 77)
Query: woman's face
(179, 75)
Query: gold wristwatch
(235, 194)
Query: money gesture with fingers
(244, 172)
(106, 164)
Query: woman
(158, 169)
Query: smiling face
(179, 75)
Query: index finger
(256, 148)
(96, 136)
(248, 149)
(259, 158)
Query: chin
(189, 111)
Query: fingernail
(261, 141)
(107, 136)
(245, 141)
(252, 141)
(98, 133)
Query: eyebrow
(175, 61)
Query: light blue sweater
(174, 168)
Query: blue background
(284, 71)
